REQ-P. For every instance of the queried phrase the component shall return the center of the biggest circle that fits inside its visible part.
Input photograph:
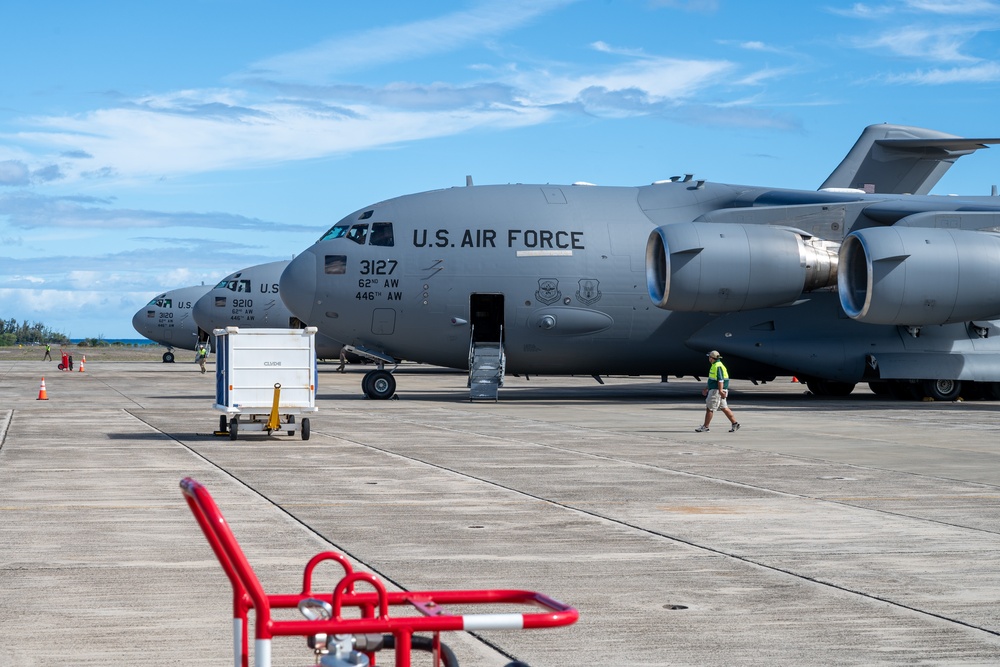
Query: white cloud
(954, 7)
(941, 44)
(404, 42)
(984, 73)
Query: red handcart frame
(373, 606)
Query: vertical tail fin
(896, 159)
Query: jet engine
(919, 276)
(725, 267)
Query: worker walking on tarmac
(716, 393)
(48, 352)
(202, 356)
(343, 360)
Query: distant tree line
(12, 333)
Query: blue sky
(146, 146)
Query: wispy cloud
(910, 7)
(942, 44)
(984, 73)
(31, 211)
(403, 42)
(955, 7)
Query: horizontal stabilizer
(896, 159)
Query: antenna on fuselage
(468, 180)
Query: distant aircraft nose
(297, 286)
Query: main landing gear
(912, 390)
(379, 384)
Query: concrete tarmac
(838, 532)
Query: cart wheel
(379, 384)
(305, 428)
(61, 367)
(291, 420)
(234, 427)
(168, 357)
(222, 423)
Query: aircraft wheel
(305, 428)
(839, 388)
(830, 387)
(942, 390)
(223, 426)
(291, 420)
(168, 357)
(234, 427)
(379, 385)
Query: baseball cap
(714, 354)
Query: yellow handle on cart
(273, 421)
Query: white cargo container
(264, 379)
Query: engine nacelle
(915, 276)
(723, 267)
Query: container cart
(352, 639)
(264, 379)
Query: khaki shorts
(715, 401)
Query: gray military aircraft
(867, 279)
(167, 319)
(249, 298)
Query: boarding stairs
(487, 365)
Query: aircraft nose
(297, 285)
(202, 312)
(139, 323)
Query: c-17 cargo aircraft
(167, 319)
(249, 298)
(868, 279)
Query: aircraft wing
(896, 159)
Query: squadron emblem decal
(589, 292)
(548, 291)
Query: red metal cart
(372, 607)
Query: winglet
(896, 159)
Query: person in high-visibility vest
(202, 355)
(48, 352)
(716, 393)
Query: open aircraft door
(486, 356)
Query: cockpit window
(335, 232)
(335, 265)
(234, 285)
(382, 234)
(358, 234)
(160, 302)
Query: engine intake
(915, 276)
(724, 267)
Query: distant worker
(48, 352)
(716, 392)
(343, 360)
(202, 356)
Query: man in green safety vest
(202, 355)
(716, 393)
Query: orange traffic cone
(42, 396)
(82, 362)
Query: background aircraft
(867, 279)
(167, 319)
(249, 298)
